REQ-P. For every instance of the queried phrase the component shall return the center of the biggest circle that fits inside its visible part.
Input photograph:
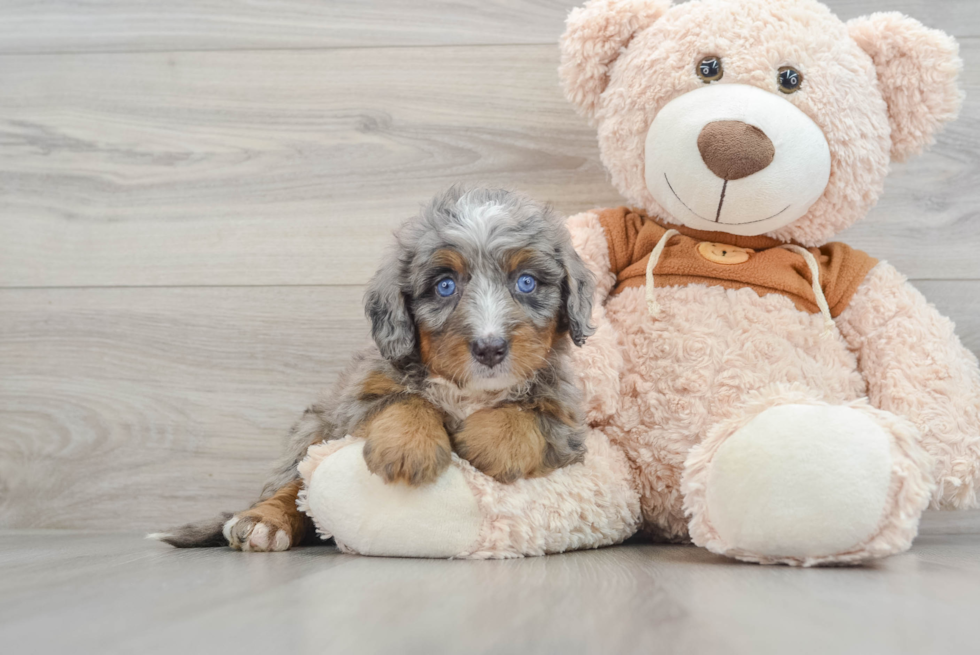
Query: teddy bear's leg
(465, 513)
(798, 481)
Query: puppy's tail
(203, 534)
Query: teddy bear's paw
(366, 515)
(799, 481)
(249, 534)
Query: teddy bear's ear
(917, 69)
(595, 35)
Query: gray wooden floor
(74, 592)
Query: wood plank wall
(193, 193)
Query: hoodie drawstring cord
(654, 307)
(811, 262)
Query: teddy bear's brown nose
(733, 149)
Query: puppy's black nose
(490, 351)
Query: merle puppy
(472, 315)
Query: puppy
(472, 314)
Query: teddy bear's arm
(599, 362)
(915, 366)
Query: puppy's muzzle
(489, 351)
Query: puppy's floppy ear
(595, 35)
(386, 306)
(916, 68)
(577, 292)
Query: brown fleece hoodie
(694, 256)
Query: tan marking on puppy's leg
(407, 442)
(556, 410)
(271, 525)
(378, 384)
(504, 442)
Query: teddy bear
(752, 386)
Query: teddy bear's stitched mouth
(666, 179)
(720, 201)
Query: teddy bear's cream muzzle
(735, 158)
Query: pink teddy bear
(753, 388)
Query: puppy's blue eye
(445, 287)
(526, 284)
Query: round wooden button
(722, 253)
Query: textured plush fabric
(694, 365)
(466, 514)
(916, 69)
(585, 505)
(770, 269)
(601, 363)
(596, 35)
(623, 61)
(916, 367)
(713, 358)
(906, 496)
(367, 516)
(800, 480)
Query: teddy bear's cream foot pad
(801, 481)
(373, 518)
(794, 480)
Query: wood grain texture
(142, 408)
(292, 167)
(35, 26)
(104, 594)
(46, 26)
(265, 168)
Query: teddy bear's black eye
(709, 69)
(789, 79)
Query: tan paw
(247, 533)
(415, 464)
(504, 443)
(407, 442)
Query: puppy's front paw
(250, 533)
(408, 443)
(416, 464)
(504, 443)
